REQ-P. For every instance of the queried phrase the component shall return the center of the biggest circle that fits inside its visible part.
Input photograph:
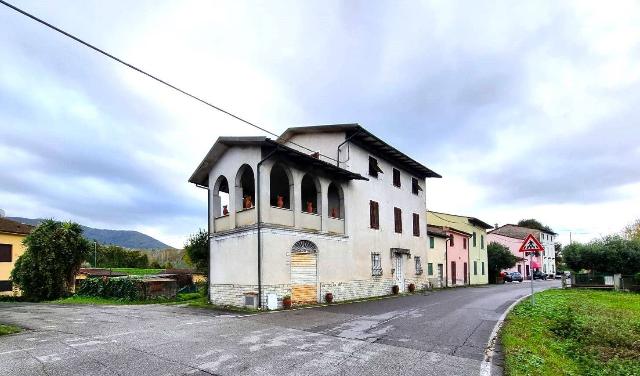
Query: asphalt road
(441, 333)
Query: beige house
(286, 218)
(477, 249)
(12, 234)
(437, 270)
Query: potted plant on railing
(309, 207)
(280, 201)
(286, 302)
(225, 211)
(395, 289)
(412, 287)
(328, 297)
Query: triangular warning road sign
(531, 244)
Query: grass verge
(574, 332)
(8, 329)
(93, 300)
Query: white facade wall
(343, 260)
(549, 258)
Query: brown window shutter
(377, 215)
(5, 253)
(397, 214)
(373, 215)
(416, 224)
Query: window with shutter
(451, 240)
(464, 243)
(430, 268)
(5, 253)
(416, 224)
(374, 169)
(474, 239)
(396, 177)
(432, 242)
(415, 186)
(374, 215)
(397, 216)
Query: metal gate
(304, 273)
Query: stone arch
(245, 188)
(280, 184)
(335, 199)
(310, 192)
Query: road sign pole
(533, 299)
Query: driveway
(441, 333)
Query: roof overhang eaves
(480, 223)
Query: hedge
(125, 288)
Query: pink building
(512, 236)
(457, 255)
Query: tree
(632, 231)
(560, 265)
(48, 268)
(113, 256)
(197, 250)
(499, 258)
(535, 224)
(611, 254)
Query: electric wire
(139, 70)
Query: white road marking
(114, 335)
(193, 323)
(89, 343)
(15, 351)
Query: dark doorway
(453, 272)
(464, 269)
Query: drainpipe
(258, 225)
(468, 262)
(344, 142)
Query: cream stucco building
(286, 218)
(478, 268)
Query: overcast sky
(527, 109)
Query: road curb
(485, 366)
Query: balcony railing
(335, 225)
(310, 221)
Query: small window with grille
(376, 264)
(418, 264)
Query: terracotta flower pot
(280, 202)
(334, 213)
(309, 207)
(225, 211)
(412, 287)
(286, 302)
(328, 297)
(247, 202)
(395, 289)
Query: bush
(125, 288)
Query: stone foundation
(234, 294)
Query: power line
(139, 70)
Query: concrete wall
(17, 250)
(477, 253)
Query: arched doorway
(304, 272)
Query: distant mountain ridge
(122, 238)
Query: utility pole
(95, 254)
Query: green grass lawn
(574, 332)
(79, 299)
(136, 271)
(8, 329)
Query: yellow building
(11, 235)
(478, 264)
(437, 271)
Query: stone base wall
(234, 294)
(356, 289)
